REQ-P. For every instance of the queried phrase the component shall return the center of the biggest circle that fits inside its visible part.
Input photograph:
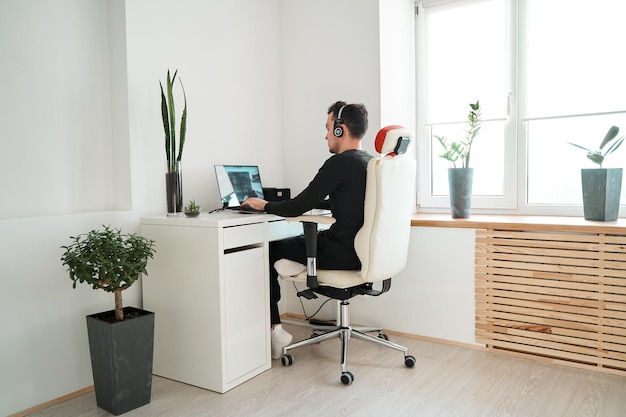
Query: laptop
(235, 183)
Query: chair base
(344, 331)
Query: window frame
(514, 200)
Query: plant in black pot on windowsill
(602, 187)
(121, 341)
(460, 178)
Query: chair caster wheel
(383, 336)
(347, 378)
(286, 360)
(409, 361)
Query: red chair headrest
(392, 139)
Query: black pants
(330, 255)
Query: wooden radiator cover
(559, 297)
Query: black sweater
(341, 178)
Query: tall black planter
(174, 190)
(602, 188)
(460, 185)
(121, 359)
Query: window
(540, 86)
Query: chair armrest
(309, 224)
(312, 218)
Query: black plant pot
(602, 188)
(460, 182)
(121, 359)
(174, 191)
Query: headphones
(338, 130)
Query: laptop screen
(235, 183)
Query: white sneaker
(280, 339)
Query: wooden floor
(447, 381)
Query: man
(342, 178)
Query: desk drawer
(248, 234)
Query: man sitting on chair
(342, 178)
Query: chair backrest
(382, 242)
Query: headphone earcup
(338, 130)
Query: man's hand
(255, 203)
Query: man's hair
(354, 116)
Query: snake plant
(168, 112)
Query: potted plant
(192, 209)
(602, 187)
(121, 340)
(173, 176)
(460, 178)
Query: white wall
(55, 108)
(83, 146)
(227, 56)
(432, 297)
(58, 151)
(329, 52)
(359, 51)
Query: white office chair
(381, 244)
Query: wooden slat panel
(486, 272)
(501, 298)
(547, 267)
(538, 247)
(598, 330)
(573, 293)
(544, 259)
(553, 295)
(563, 347)
(592, 361)
(617, 343)
(566, 282)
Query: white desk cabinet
(208, 287)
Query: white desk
(208, 287)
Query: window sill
(543, 223)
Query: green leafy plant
(597, 156)
(455, 151)
(108, 260)
(192, 207)
(168, 112)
